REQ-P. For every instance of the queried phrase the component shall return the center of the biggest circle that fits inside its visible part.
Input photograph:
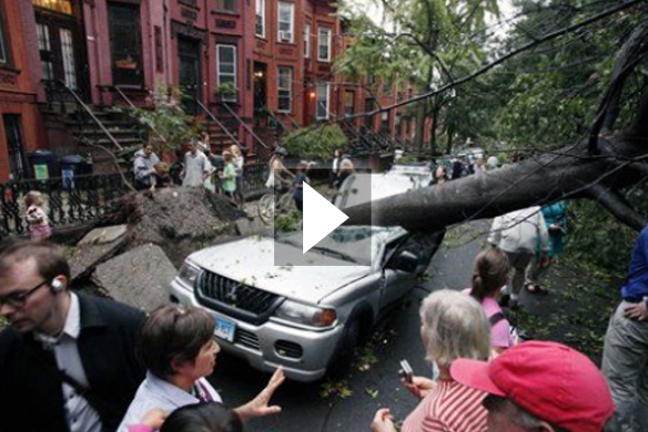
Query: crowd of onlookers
(198, 167)
(74, 362)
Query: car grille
(234, 298)
(288, 349)
(247, 339)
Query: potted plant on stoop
(226, 92)
(126, 63)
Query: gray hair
(516, 414)
(454, 326)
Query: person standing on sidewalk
(520, 233)
(196, 166)
(625, 352)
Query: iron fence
(69, 201)
(84, 198)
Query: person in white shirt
(196, 167)
(178, 348)
(520, 234)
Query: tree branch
(536, 181)
(631, 54)
(502, 59)
(640, 125)
(617, 206)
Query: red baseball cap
(549, 380)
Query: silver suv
(310, 315)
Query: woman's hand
(420, 386)
(154, 418)
(258, 407)
(383, 421)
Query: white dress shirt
(157, 393)
(81, 417)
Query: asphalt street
(373, 382)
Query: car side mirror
(405, 261)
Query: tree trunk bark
(562, 174)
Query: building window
(286, 22)
(284, 89)
(13, 131)
(324, 45)
(349, 102)
(226, 5)
(307, 40)
(69, 66)
(45, 48)
(63, 6)
(322, 98)
(260, 18)
(4, 48)
(226, 67)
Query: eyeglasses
(18, 299)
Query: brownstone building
(253, 64)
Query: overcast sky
(375, 13)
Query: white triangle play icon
(320, 217)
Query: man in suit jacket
(66, 359)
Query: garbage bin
(42, 163)
(71, 165)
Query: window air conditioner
(285, 36)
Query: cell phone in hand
(405, 371)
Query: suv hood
(251, 261)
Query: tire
(344, 357)
(266, 209)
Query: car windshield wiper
(337, 253)
(288, 241)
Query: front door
(260, 86)
(190, 76)
(60, 42)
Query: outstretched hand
(258, 407)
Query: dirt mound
(177, 219)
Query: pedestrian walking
(239, 165)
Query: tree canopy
(566, 87)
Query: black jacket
(31, 398)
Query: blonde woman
(239, 166)
(453, 326)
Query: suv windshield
(353, 243)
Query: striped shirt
(450, 407)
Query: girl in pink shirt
(490, 274)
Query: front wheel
(266, 208)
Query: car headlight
(305, 314)
(188, 273)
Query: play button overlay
(320, 218)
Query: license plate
(224, 329)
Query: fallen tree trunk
(566, 173)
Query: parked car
(421, 173)
(308, 316)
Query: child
(39, 226)
(229, 176)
